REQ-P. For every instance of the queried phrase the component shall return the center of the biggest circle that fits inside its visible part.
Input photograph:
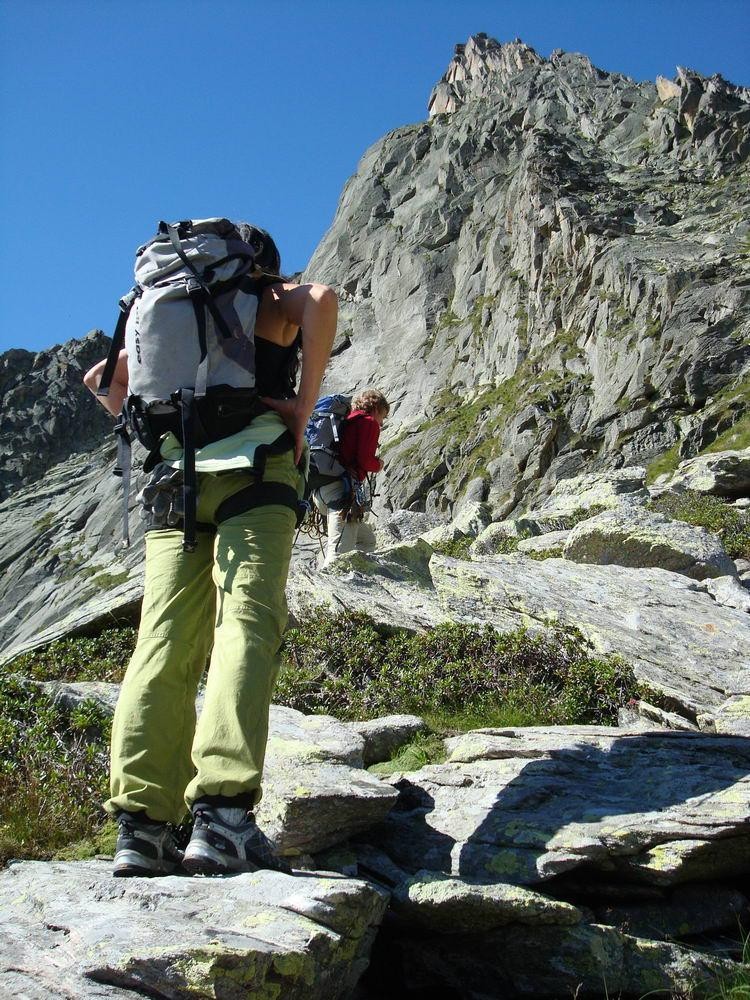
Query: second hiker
(355, 457)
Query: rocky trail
(621, 854)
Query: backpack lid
(335, 404)
(212, 246)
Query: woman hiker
(225, 598)
(346, 529)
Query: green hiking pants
(227, 598)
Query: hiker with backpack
(206, 380)
(343, 436)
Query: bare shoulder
(283, 307)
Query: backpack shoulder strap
(118, 339)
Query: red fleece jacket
(359, 442)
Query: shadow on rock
(601, 802)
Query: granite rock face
(559, 253)
(71, 930)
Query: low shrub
(710, 512)
(53, 768)
(348, 666)
(457, 549)
(79, 658)
(505, 545)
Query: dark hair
(267, 253)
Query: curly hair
(371, 400)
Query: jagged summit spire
(473, 64)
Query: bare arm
(119, 388)
(315, 309)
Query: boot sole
(131, 864)
(205, 860)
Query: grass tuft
(667, 462)
(426, 748)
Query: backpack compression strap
(189, 484)
(174, 238)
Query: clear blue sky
(117, 113)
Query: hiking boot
(144, 847)
(225, 840)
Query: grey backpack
(188, 327)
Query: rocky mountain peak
(551, 280)
(481, 65)
(568, 89)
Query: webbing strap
(189, 484)
(212, 308)
(334, 427)
(282, 444)
(199, 307)
(257, 495)
(118, 339)
(122, 468)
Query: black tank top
(276, 368)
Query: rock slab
(646, 539)
(523, 806)
(71, 930)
